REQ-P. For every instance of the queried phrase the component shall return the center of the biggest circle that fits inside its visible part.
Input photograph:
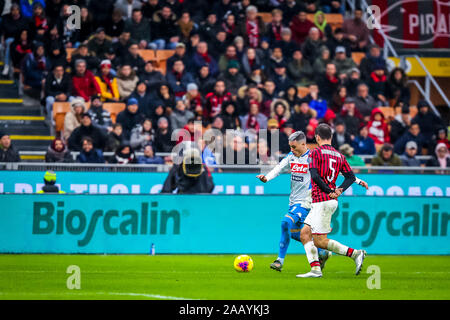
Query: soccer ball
(243, 263)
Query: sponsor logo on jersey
(299, 168)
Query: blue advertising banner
(225, 183)
(130, 224)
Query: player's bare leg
(321, 241)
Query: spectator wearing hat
(50, 183)
(351, 117)
(386, 157)
(130, 118)
(86, 129)
(352, 81)
(300, 69)
(126, 81)
(180, 54)
(363, 144)
(72, 119)
(252, 27)
(340, 135)
(178, 78)
(151, 77)
(400, 124)
(280, 111)
(139, 29)
(232, 78)
(378, 85)
(409, 156)
(57, 151)
(352, 159)
(428, 122)
(99, 116)
(7, 151)
(440, 158)
(281, 78)
(88, 153)
(109, 90)
(378, 128)
(165, 32)
(143, 98)
(355, 30)
(163, 136)
(338, 40)
(99, 44)
(300, 27)
(127, 7)
(413, 134)
(372, 60)
(84, 84)
(149, 156)
(343, 63)
(58, 87)
(365, 103)
(193, 99)
(320, 22)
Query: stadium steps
(23, 122)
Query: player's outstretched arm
(275, 171)
(361, 183)
(262, 178)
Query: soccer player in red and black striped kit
(325, 164)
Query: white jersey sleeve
(275, 172)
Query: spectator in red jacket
(215, 100)
(378, 128)
(300, 27)
(84, 84)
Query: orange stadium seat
(59, 112)
(388, 112)
(147, 55)
(114, 109)
(266, 16)
(69, 52)
(358, 56)
(302, 91)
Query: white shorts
(319, 218)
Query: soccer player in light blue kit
(300, 198)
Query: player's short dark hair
(324, 131)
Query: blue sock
(322, 252)
(286, 225)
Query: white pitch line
(78, 293)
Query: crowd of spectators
(230, 70)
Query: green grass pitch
(213, 277)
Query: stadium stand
(248, 56)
